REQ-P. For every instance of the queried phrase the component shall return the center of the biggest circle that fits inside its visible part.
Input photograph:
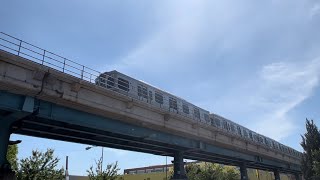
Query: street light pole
(101, 167)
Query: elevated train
(129, 86)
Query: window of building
(173, 103)
(142, 91)
(185, 108)
(158, 98)
(196, 113)
(123, 84)
(140, 172)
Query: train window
(123, 84)
(196, 113)
(142, 91)
(212, 122)
(217, 122)
(233, 129)
(206, 118)
(250, 135)
(185, 108)
(266, 141)
(173, 103)
(239, 130)
(260, 139)
(110, 82)
(150, 95)
(228, 126)
(245, 133)
(255, 138)
(158, 97)
(225, 125)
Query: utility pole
(101, 159)
(67, 168)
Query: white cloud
(231, 29)
(116, 152)
(281, 87)
(315, 10)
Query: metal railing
(34, 53)
(47, 58)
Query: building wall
(252, 173)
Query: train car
(147, 93)
(134, 88)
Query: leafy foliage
(211, 171)
(311, 145)
(12, 156)
(110, 173)
(316, 164)
(40, 166)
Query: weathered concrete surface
(20, 76)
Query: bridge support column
(276, 174)
(5, 168)
(243, 172)
(179, 172)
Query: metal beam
(150, 139)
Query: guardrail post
(19, 47)
(82, 72)
(44, 54)
(64, 64)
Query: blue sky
(254, 62)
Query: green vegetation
(110, 173)
(12, 156)
(40, 166)
(211, 171)
(311, 155)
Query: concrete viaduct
(43, 98)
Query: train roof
(145, 83)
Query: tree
(110, 173)
(12, 156)
(316, 163)
(311, 145)
(40, 166)
(211, 171)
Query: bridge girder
(40, 118)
